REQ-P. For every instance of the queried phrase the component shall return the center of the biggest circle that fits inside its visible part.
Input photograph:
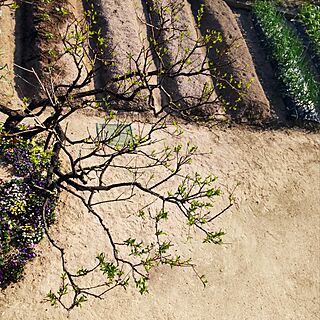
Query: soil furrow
(183, 53)
(236, 61)
(27, 53)
(125, 48)
(127, 28)
(264, 69)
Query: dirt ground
(269, 266)
(7, 25)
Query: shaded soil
(264, 68)
(26, 55)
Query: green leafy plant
(288, 52)
(44, 16)
(310, 16)
(49, 35)
(62, 11)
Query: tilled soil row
(126, 28)
(237, 61)
(37, 47)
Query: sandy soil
(268, 268)
(238, 61)
(7, 25)
(177, 46)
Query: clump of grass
(310, 16)
(294, 69)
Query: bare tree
(119, 145)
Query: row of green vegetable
(310, 17)
(294, 69)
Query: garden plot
(294, 69)
(297, 82)
(309, 20)
(268, 268)
(181, 44)
(124, 29)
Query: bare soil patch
(7, 26)
(268, 268)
